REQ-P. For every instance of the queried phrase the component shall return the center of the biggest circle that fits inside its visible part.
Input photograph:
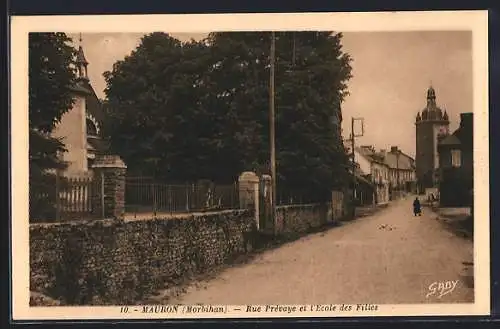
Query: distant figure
(433, 199)
(416, 207)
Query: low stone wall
(300, 219)
(119, 262)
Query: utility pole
(353, 162)
(272, 136)
(397, 174)
(353, 144)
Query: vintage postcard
(250, 165)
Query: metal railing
(147, 195)
(59, 198)
(286, 197)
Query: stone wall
(300, 219)
(119, 262)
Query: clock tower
(430, 125)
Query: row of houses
(382, 175)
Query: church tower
(79, 127)
(81, 62)
(431, 124)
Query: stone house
(402, 174)
(373, 168)
(387, 171)
(80, 127)
(456, 168)
(378, 172)
(380, 177)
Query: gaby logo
(441, 288)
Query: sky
(391, 74)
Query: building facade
(373, 167)
(80, 127)
(380, 177)
(402, 171)
(430, 125)
(390, 172)
(456, 160)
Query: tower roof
(80, 57)
(445, 116)
(432, 111)
(431, 93)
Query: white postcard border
(475, 21)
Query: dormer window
(91, 128)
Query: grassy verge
(461, 224)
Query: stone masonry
(299, 219)
(109, 173)
(109, 262)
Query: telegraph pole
(353, 162)
(397, 174)
(353, 144)
(272, 136)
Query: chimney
(394, 149)
(466, 121)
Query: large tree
(51, 79)
(207, 105)
(311, 76)
(151, 99)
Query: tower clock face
(443, 130)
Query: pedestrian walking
(417, 207)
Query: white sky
(391, 74)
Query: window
(456, 158)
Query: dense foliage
(51, 78)
(200, 109)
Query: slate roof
(81, 89)
(80, 57)
(98, 144)
(404, 162)
(450, 140)
(463, 135)
(371, 155)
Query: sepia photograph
(254, 172)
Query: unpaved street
(389, 257)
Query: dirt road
(389, 257)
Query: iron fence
(58, 198)
(285, 197)
(149, 195)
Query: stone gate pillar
(248, 188)
(109, 201)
